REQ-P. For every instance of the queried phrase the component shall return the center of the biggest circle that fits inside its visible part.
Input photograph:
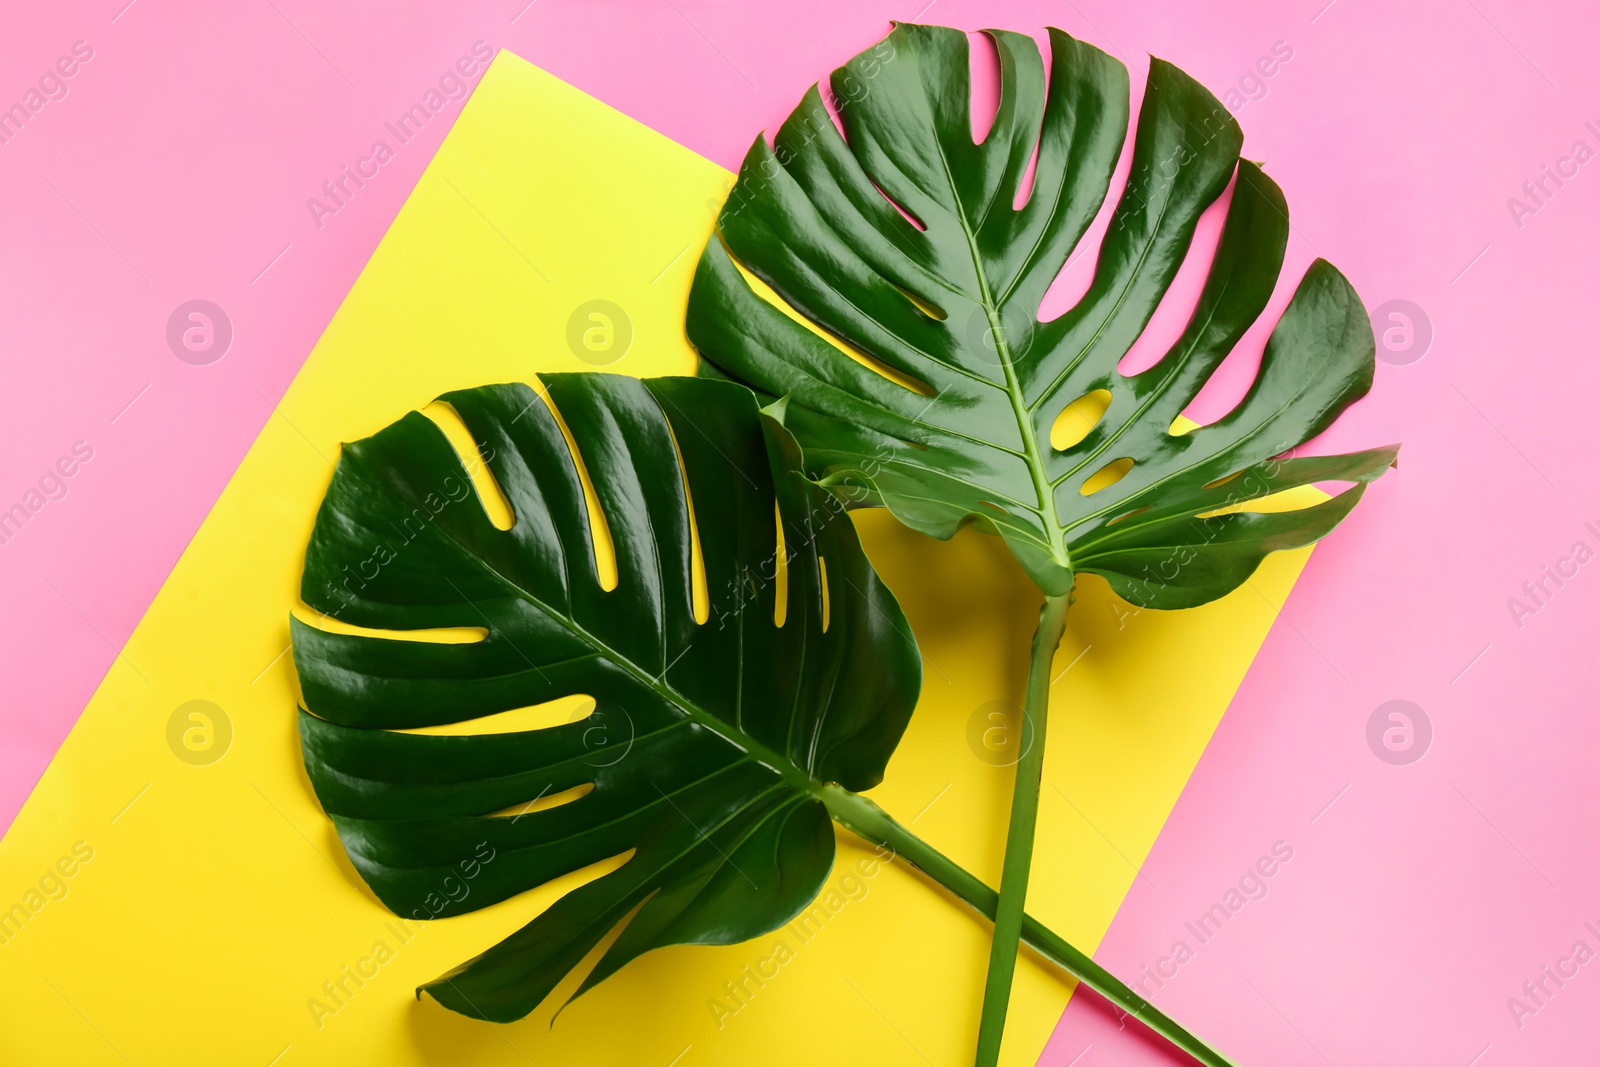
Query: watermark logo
(199, 332)
(1399, 733)
(998, 733)
(599, 332)
(199, 733)
(1403, 331)
(52, 486)
(52, 886)
(1014, 333)
(607, 740)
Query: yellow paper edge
(215, 908)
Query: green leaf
(720, 735)
(928, 383)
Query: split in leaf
(928, 381)
(710, 742)
(911, 262)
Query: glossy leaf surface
(925, 380)
(710, 740)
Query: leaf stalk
(870, 822)
(1019, 836)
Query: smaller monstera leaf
(922, 377)
(720, 732)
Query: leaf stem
(870, 822)
(1019, 836)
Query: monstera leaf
(723, 727)
(733, 715)
(925, 380)
(904, 265)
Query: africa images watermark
(1252, 86)
(1253, 483)
(1537, 992)
(1540, 190)
(52, 886)
(852, 88)
(51, 486)
(51, 87)
(857, 486)
(851, 887)
(338, 991)
(1250, 888)
(352, 978)
(454, 490)
(453, 84)
(745, 586)
(1538, 592)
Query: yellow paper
(210, 908)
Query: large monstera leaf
(720, 733)
(928, 383)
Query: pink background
(1419, 897)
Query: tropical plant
(906, 265)
(737, 715)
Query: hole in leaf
(699, 591)
(1107, 476)
(872, 363)
(1078, 418)
(438, 635)
(1224, 480)
(1024, 192)
(1177, 305)
(933, 311)
(560, 998)
(605, 550)
(1072, 281)
(1182, 425)
(544, 803)
(983, 67)
(780, 570)
(1129, 515)
(830, 104)
(1229, 384)
(822, 576)
(493, 499)
(557, 712)
(908, 216)
(1296, 498)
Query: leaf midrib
(1019, 408)
(784, 766)
(1023, 411)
